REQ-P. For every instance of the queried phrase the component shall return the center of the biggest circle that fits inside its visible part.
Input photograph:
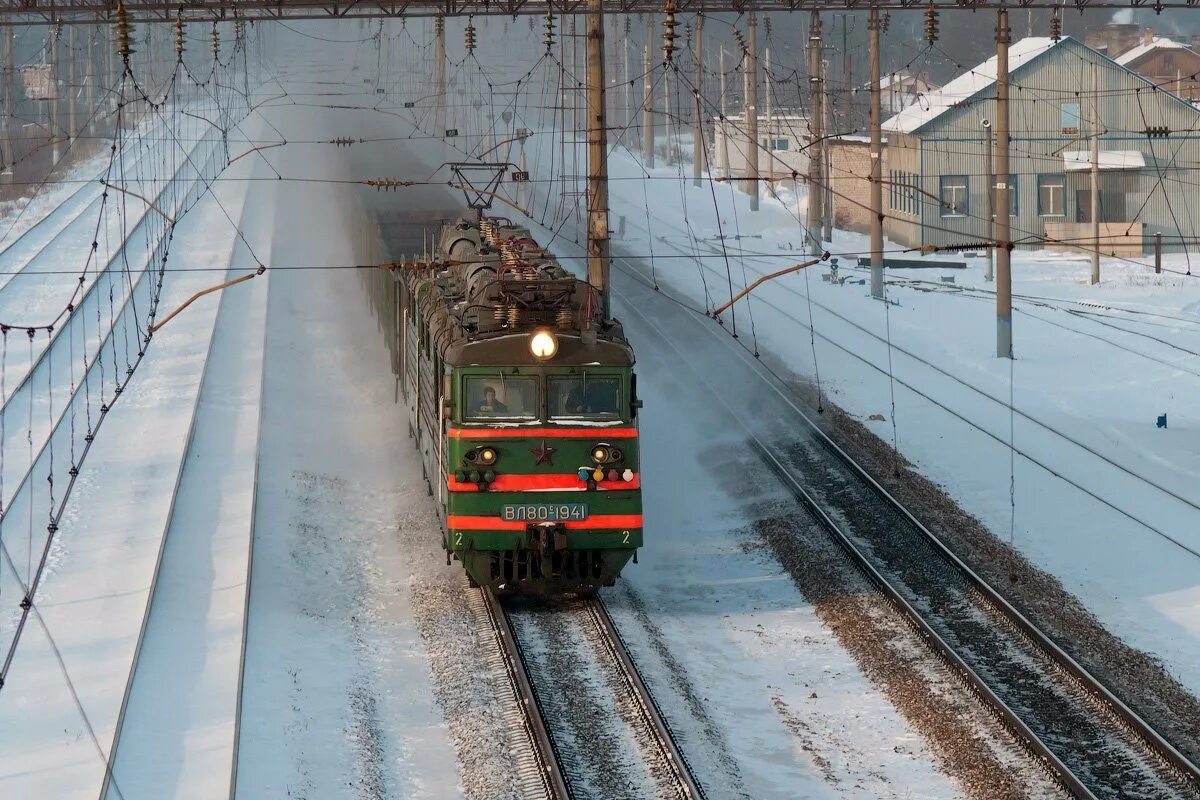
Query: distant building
(937, 176)
(899, 90)
(1167, 63)
(781, 146)
(850, 181)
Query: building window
(1013, 205)
(954, 195)
(1052, 195)
(1069, 118)
(781, 144)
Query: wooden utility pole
(1096, 130)
(597, 195)
(1004, 348)
(439, 75)
(815, 148)
(648, 104)
(698, 88)
(876, 155)
(751, 62)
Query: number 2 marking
(458, 538)
(626, 539)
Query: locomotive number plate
(544, 512)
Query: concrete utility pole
(752, 171)
(767, 109)
(847, 80)
(1096, 131)
(648, 105)
(9, 129)
(626, 96)
(72, 89)
(816, 148)
(876, 153)
(724, 148)
(666, 115)
(597, 237)
(1004, 347)
(698, 123)
(90, 78)
(827, 163)
(988, 271)
(439, 75)
(55, 130)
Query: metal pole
(439, 76)
(876, 159)
(90, 78)
(1095, 176)
(648, 105)
(55, 139)
(988, 273)
(847, 79)
(1004, 347)
(724, 148)
(698, 123)
(666, 115)
(752, 170)
(767, 109)
(815, 154)
(1157, 253)
(597, 237)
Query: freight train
(522, 401)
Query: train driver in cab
(490, 404)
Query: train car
(523, 403)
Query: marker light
(543, 344)
(584, 473)
(598, 475)
(627, 475)
(487, 456)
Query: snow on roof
(1080, 160)
(1158, 43)
(965, 86)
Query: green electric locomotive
(522, 400)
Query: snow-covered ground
(1058, 451)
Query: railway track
(591, 724)
(1091, 742)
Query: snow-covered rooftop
(965, 86)
(1157, 43)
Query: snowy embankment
(1101, 497)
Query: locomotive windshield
(593, 397)
(501, 398)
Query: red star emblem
(542, 454)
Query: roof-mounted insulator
(548, 35)
(669, 35)
(931, 25)
(179, 38)
(470, 35)
(1055, 25)
(123, 33)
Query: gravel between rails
(1113, 762)
(605, 750)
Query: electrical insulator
(1055, 26)
(439, 25)
(767, 26)
(470, 35)
(687, 34)
(931, 25)
(669, 35)
(216, 42)
(741, 40)
(628, 26)
(179, 38)
(548, 37)
(887, 22)
(123, 33)
(530, 23)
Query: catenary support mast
(597, 236)
(876, 155)
(1004, 348)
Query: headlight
(543, 344)
(484, 456)
(601, 454)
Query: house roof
(967, 85)
(1158, 43)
